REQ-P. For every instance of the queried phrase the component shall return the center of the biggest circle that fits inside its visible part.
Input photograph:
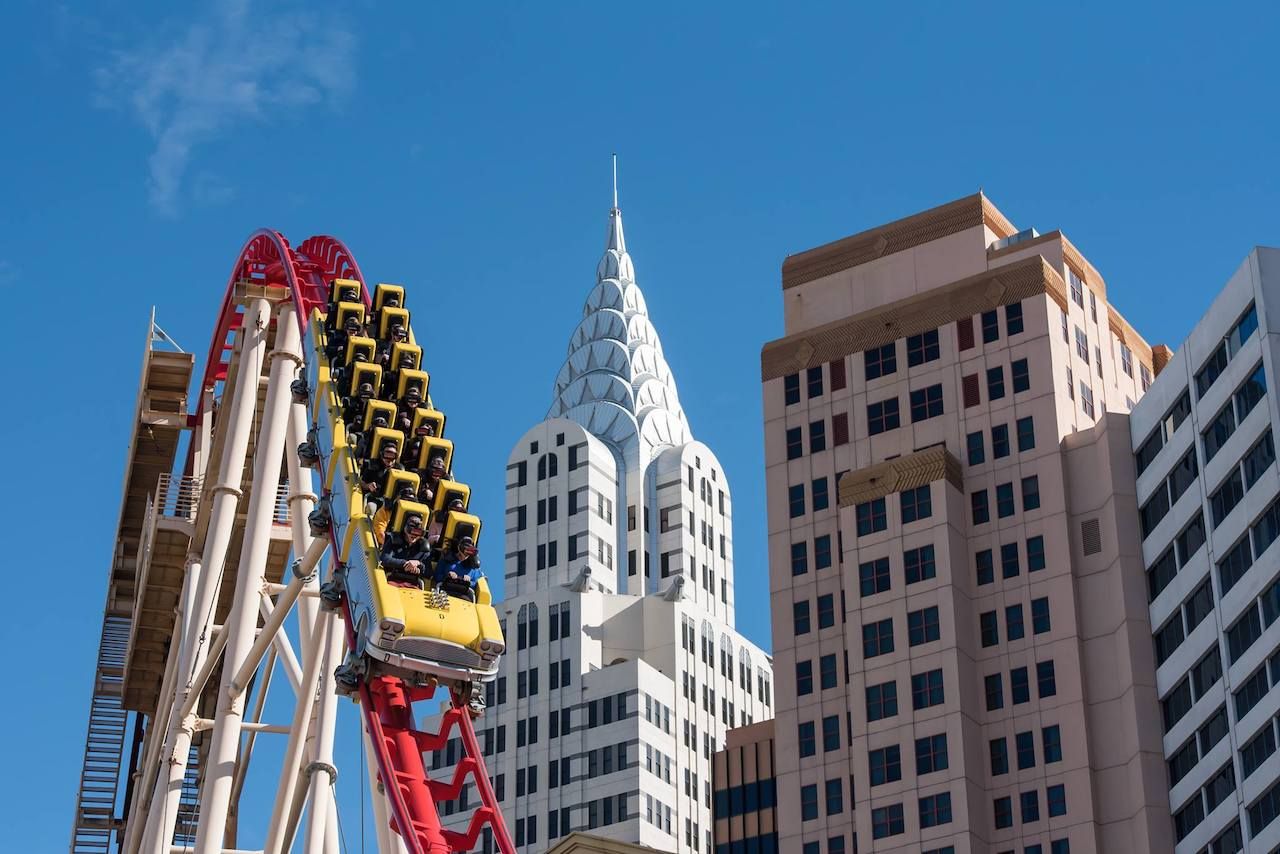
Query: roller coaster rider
(406, 555)
(431, 477)
(376, 470)
(387, 512)
(458, 569)
(354, 406)
(413, 450)
(336, 346)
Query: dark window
(918, 564)
(1030, 493)
(799, 558)
(813, 379)
(873, 576)
(791, 388)
(1000, 441)
(923, 626)
(800, 617)
(1220, 429)
(999, 750)
(922, 348)
(1004, 500)
(1019, 686)
(989, 628)
(1046, 682)
(1021, 375)
(978, 502)
(976, 447)
(935, 810)
(885, 765)
(964, 333)
(1259, 459)
(871, 516)
(836, 367)
(1245, 631)
(1161, 573)
(1051, 743)
(926, 403)
(887, 821)
(795, 497)
(1009, 566)
(795, 443)
(1003, 808)
(880, 361)
(916, 504)
(821, 500)
(808, 802)
(883, 416)
(807, 738)
(986, 573)
(828, 672)
(1056, 798)
(882, 701)
(877, 638)
(1025, 743)
(1035, 553)
(1232, 567)
(1176, 704)
(1040, 622)
(1026, 434)
(926, 690)
(994, 690)
(804, 677)
(826, 611)
(822, 551)
(1257, 751)
(995, 383)
(1013, 318)
(1014, 628)
(990, 327)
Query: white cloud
(231, 69)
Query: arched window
(542, 467)
(533, 624)
(548, 466)
(744, 668)
(726, 657)
(708, 644)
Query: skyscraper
(1209, 516)
(959, 620)
(623, 669)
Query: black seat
(458, 589)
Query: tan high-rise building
(962, 644)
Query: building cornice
(913, 315)
(896, 236)
(895, 475)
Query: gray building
(1207, 491)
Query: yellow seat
(433, 446)
(390, 317)
(376, 408)
(413, 379)
(383, 291)
(402, 348)
(382, 437)
(349, 309)
(448, 491)
(366, 372)
(398, 479)
(406, 508)
(344, 290)
(430, 416)
(358, 344)
(458, 525)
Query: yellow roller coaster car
(415, 633)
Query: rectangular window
(995, 383)
(882, 701)
(922, 348)
(1003, 809)
(887, 821)
(976, 448)
(994, 690)
(923, 626)
(883, 416)
(1013, 318)
(822, 551)
(821, 500)
(1025, 744)
(1021, 375)
(1056, 797)
(964, 333)
(999, 749)
(826, 611)
(871, 517)
(813, 379)
(989, 628)
(927, 690)
(1082, 345)
(1046, 682)
(918, 564)
(800, 617)
(877, 638)
(981, 510)
(926, 403)
(795, 443)
(817, 436)
(916, 504)
(1040, 621)
(1257, 751)
(1030, 493)
(935, 810)
(880, 361)
(795, 498)
(836, 367)
(799, 558)
(990, 327)
(808, 802)
(804, 678)
(1077, 287)
(1086, 399)
(1051, 743)
(1019, 685)
(1227, 496)
(1004, 500)
(808, 741)
(1000, 441)
(1245, 631)
(1259, 459)
(985, 565)
(791, 388)
(828, 671)
(1035, 554)
(1014, 628)
(873, 576)
(1026, 434)
(1030, 803)
(885, 765)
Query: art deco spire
(615, 380)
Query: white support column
(389, 841)
(322, 772)
(302, 501)
(205, 575)
(242, 622)
(284, 649)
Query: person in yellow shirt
(387, 512)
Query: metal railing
(280, 514)
(178, 497)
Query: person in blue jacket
(459, 565)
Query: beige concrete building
(961, 633)
(746, 794)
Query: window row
(1163, 432)
(1010, 560)
(971, 384)
(1024, 746)
(1015, 626)
(926, 690)
(1157, 506)
(1029, 806)
(1020, 685)
(813, 382)
(1203, 675)
(1184, 547)
(918, 564)
(601, 812)
(833, 799)
(1220, 786)
(818, 436)
(1233, 412)
(1198, 745)
(820, 494)
(821, 555)
(1243, 476)
(1241, 331)
(1024, 435)
(914, 504)
(746, 797)
(1006, 504)
(1249, 548)
(934, 810)
(828, 673)
(885, 763)
(1183, 622)
(1257, 617)
(923, 626)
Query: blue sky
(466, 154)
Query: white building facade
(623, 669)
(1208, 492)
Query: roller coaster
(235, 491)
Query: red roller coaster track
(386, 704)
